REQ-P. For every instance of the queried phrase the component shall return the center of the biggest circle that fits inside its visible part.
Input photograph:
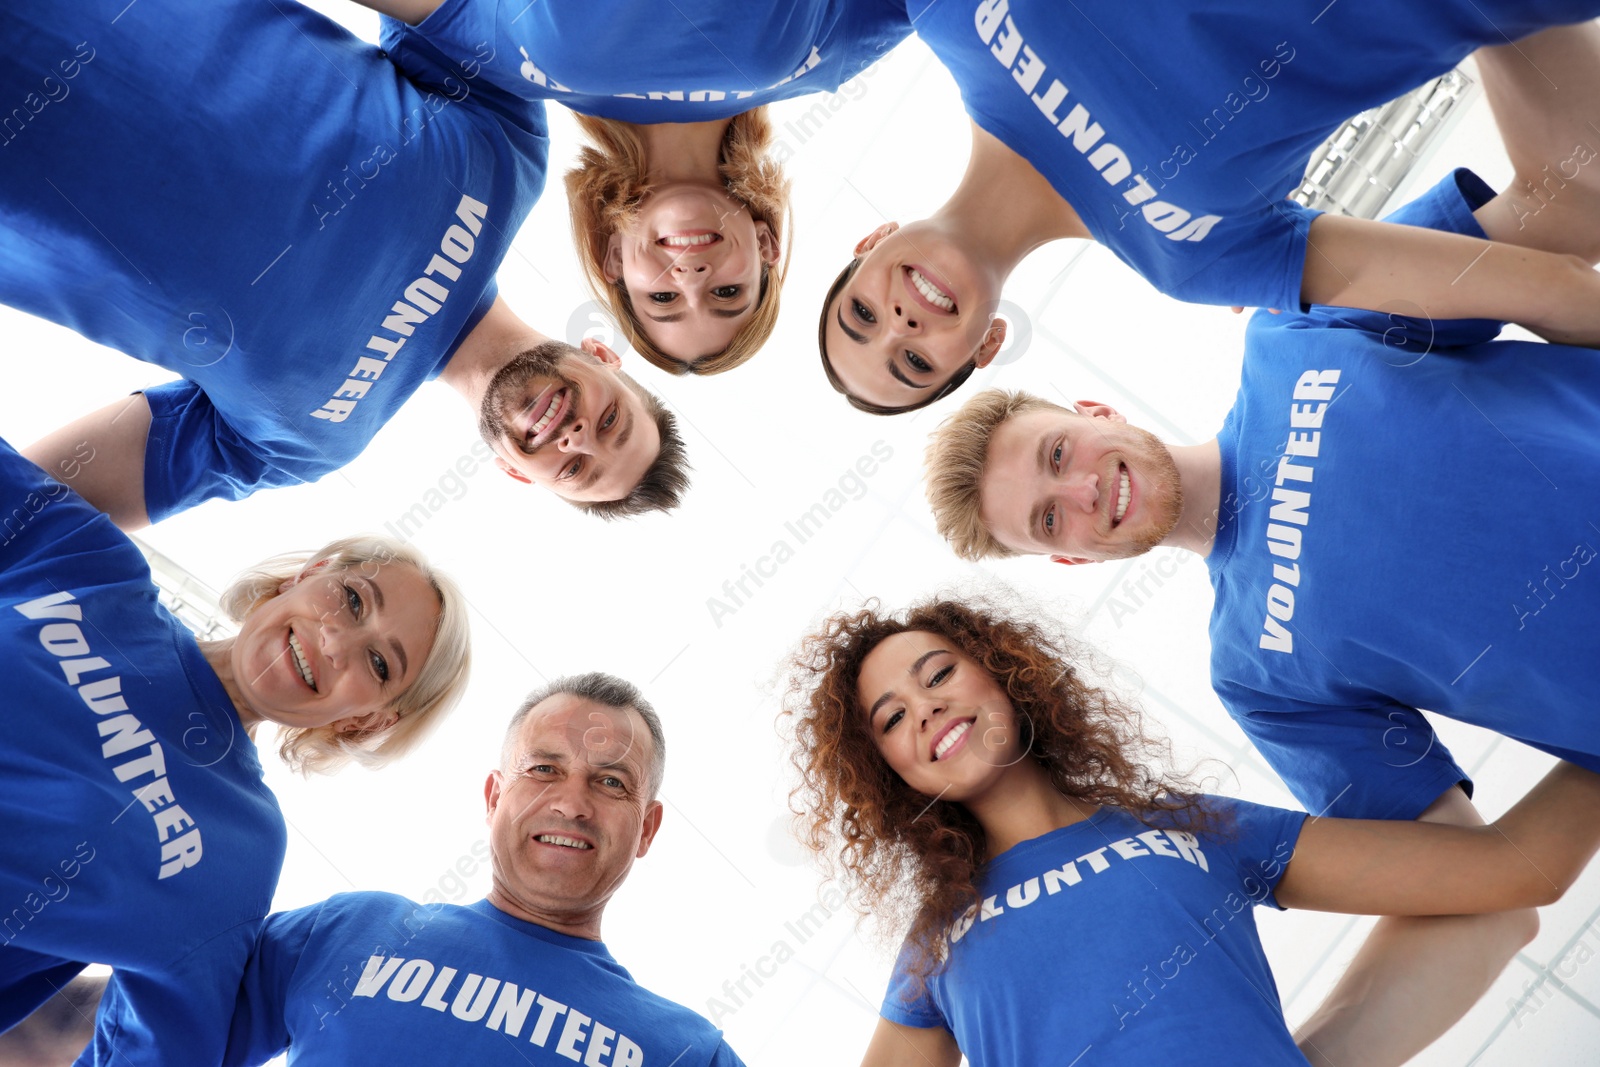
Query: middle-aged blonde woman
(138, 830)
(680, 209)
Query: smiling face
(562, 418)
(1080, 487)
(914, 314)
(571, 810)
(939, 719)
(691, 262)
(335, 646)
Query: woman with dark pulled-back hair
(1059, 893)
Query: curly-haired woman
(1060, 894)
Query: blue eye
(1050, 521)
(380, 666)
(353, 600)
(1055, 457)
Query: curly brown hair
(914, 863)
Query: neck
(1003, 209)
(1024, 805)
(683, 151)
(219, 655)
(497, 337)
(584, 924)
(1200, 475)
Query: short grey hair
(601, 688)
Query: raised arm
(58, 1030)
(894, 1045)
(1381, 266)
(1414, 977)
(407, 11)
(1529, 856)
(102, 457)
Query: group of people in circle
(957, 766)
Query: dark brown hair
(914, 863)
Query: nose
(932, 707)
(575, 436)
(334, 642)
(689, 269)
(906, 318)
(1082, 490)
(569, 798)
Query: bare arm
(894, 1045)
(410, 12)
(1529, 856)
(1359, 263)
(1545, 93)
(102, 457)
(1413, 978)
(58, 1030)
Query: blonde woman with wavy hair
(139, 831)
(681, 229)
(680, 210)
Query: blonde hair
(607, 186)
(439, 682)
(953, 469)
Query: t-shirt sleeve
(259, 1028)
(1382, 762)
(179, 1015)
(1258, 262)
(1259, 838)
(41, 522)
(453, 52)
(1447, 207)
(192, 455)
(909, 1002)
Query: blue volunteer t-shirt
(1111, 942)
(644, 61)
(1410, 519)
(252, 198)
(1177, 129)
(138, 831)
(377, 978)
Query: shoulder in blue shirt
(255, 200)
(1406, 523)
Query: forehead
(580, 729)
(885, 667)
(1012, 469)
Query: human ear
(600, 352)
(492, 787)
(871, 240)
(509, 469)
(647, 833)
(290, 582)
(1096, 410)
(766, 243)
(991, 344)
(611, 265)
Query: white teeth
(930, 291)
(549, 413)
(300, 660)
(689, 242)
(1122, 496)
(557, 839)
(948, 741)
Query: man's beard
(502, 400)
(1160, 473)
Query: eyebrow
(731, 313)
(894, 369)
(912, 670)
(394, 642)
(667, 318)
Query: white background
(555, 593)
